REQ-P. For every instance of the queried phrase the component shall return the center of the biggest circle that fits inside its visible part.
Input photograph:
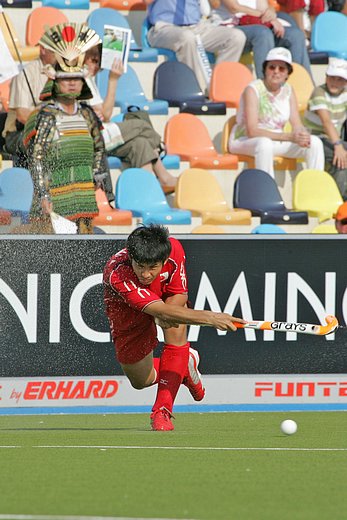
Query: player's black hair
(149, 244)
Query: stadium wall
(56, 351)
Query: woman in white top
(266, 106)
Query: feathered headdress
(69, 42)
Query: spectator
(25, 93)
(325, 117)
(266, 106)
(176, 26)
(264, 30)
(65, 145)
(296, 9)
(137, 143)
(341, 219)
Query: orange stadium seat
(109, 216)
(228, 81)
(124, 5)
(187, 136)
(39, 19)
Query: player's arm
(183, 315)
(175, 299)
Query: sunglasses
(281, 68)
(343, 222)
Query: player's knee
(138, 385)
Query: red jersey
(133, 331)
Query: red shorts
(315, 6)
(135, 345)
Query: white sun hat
(337, 67)
(279, 53)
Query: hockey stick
(301, 328)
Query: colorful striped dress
(65, 152)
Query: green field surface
(213, 466)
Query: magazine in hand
(115, 44)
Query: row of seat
(120, 5)
(138, 193)
(325, 31)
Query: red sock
(173, 368)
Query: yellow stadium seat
(302, 84)
(281, 163)
(208, 229)
(25, 53)
(324, 229)
(316, 192)
(198, 190)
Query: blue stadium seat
(177, 83)
(130, 92)
(327, 34)
(107, 16)
(16, 192)
(140, 192)
(66, 4)
(171, 162)
(268, 229)
(257, 191)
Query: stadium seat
(316, 192)
(67, 4)
(169, 54)
(109, 216)
(327, 34)
(171, 162)
(107, 16)
(124, 5)
(228, 81)
(139, 191)
(39, 19)
(198, 190)
(130, 92)
(268, 229)
(177, 84)
(208, 229)
(187, 136)
(280, 163)
(324, 229)
(16, 192)
(18, 51)
(257, 191)
(17, 4)
(303, 85)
